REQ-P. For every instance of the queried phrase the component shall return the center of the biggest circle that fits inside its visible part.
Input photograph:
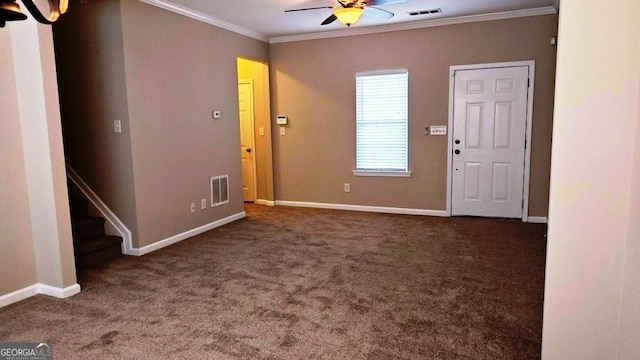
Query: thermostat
(281, 120)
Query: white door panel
(472, 181)
(489, 132)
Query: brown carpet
(292, 283)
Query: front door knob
(248, 150)
(457, 152)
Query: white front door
(245, 100)
(489, 132)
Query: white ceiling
(266, 19)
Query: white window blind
(382, 121)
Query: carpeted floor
(294, 283)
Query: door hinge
(528, 82)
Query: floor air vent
(219, 190)
(425, 12)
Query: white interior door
(245, 100)
(489, 133)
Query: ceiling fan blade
(383, 2)
(378, 13)
(329, 20)
(311, 8)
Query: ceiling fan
(349, 11)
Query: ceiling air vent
(219, 190)
(425, 12)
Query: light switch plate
(217, 114)
(117, 126)
(438, 130)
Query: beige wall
(35, 228)
(161, 74)
(630, 314)
(39, 104)
(17, 259)
(178, 70)
(93, 93)
(313, 83)
(592, 274)
(259, 73)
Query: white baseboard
(36, 289)
(18, 295)
(110, 216)
(58, 292)
(537, 219)
(185, 235)
(377, 209)
(265, 202)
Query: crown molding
(547, 10)
(166, 5)
(169, 6)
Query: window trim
(382, 173)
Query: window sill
(382, 173)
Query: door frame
(253, 135)
(527, 156)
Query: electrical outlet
(347, 187)
(203, 204)
(193, 207)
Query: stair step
(96, 244)
(87, 228)
(92, 248)
(98, 252)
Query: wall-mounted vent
(219, 190)
(425, 12)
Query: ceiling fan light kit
(348, 15)
(348, 12)
(10, 11)
(44, 11)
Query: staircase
(92, 247)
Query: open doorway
(255, 129)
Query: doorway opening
(255, 131)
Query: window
(382, 123)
